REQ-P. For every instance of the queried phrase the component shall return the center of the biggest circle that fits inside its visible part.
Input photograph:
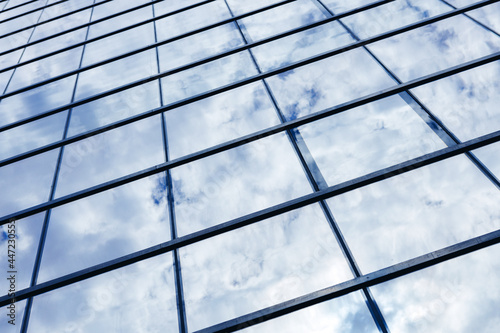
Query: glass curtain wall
(254, 166)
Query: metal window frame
(380, 175)
(90, 23)
(31, 12)
(16, 6)
(127, 54)
(360, 282)
(307, 61)
(364, 281)
(74, 28)
(245, 139)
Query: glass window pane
(64, 7)
(116, 74)
(239, 7)
(259, 266)
(164, 7)
(25, 246)
(5, 326)
(15, 40)
(328, 82)
(340, 6)
(32, 135)
(36, 101)
(487, 15)
(19, 10)
(4, 79)
(56, 44)
(393, 15)
(199, 46)
(300, 46)
(27, 182)
(106, 226)
(218, 119)
(368, 138)
(115, 6)
(119, 21)
(114, 107)
(19, 23)
(190, 20)
(459, 295)
(109, 302)
(118, 44)
(10, 59)
(347, 314)
(45, 69)
(236, 182)
(110, 155)
(203, 78)
(435, 47)
(417, 212)
(490, 157)
(283, 18)
(62, 24)
(467, 103)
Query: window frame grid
(242, 140)
(360, 282)
(276, 71)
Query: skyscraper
(254, 166)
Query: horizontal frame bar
(117, 124)
(242, 140)
(236, 50)
(124, 55)
(92, 23)
(16, 6)
(31, 12)
(364, 281)
(263, 214)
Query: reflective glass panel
(368, 138)
(110, 155)
(251, 177)
(417, 212)
(260, 265)
(345, 314)
(460, 295)
(106, 226)
(109, 302)
(328, 82)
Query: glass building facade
(253, 166)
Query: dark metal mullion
(46, 221)
(102, 20)
(242, 140)
(31, 12)
(244, 47)
(451, 138)
(374, 308)
(290, 133)
(484, 26)
(371, 303)
(371, 178)
(317, 182)
(179, 289)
